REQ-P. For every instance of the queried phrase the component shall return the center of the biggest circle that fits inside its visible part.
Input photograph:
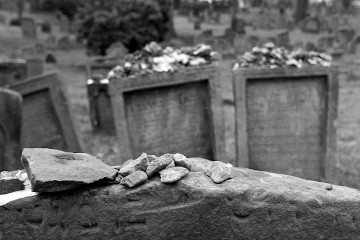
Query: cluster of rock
(154, 58)
(48, 170)
(271, 56)
(171, 167)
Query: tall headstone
(28, 27)
(10, 129)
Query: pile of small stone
(171, 167)
(270, 56)
(154, 58)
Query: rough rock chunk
(10, 184)
(139, 164)
(174, 174)
(53, 170)
(219, 171)
(159, 164)
(192, 164)
(134, 179)
(171, 165)
(151, 158)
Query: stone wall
(252, 205)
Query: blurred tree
(301, 10)
(234, 10)
(132, 22)
(67, 7)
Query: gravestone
(170, 112)
(10, 129)
(47, 119)
(40, 49)
(28, 27)
(285, 120)
(311, 25)
(11, 71)
(28, 51)
(50, 42)
(64, 43)
(64, 24)
(34, 66)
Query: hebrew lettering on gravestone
(48, 121)
(28, 27)
(284, 120)
(170, 112)
(10, 129)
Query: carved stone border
(52, 82)
(118, 87)
(240, 80)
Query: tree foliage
(132, 22)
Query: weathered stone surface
(139, 164)
(193, 164)
(152, 158)
(159, 164)
(219, 171)
(10, 129)
(53, 170)
(134, 179)
(252, 205)
(174, 174)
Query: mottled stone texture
(252, 205)
(347, 165)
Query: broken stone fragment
(192, 164)
(159, 164)
(139, 164)
(53, 170)
(219, 171)
(9, 182)
(174, 174)
(134, 179)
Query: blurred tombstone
(240, 25)
(326, 41)
(40, 49)
(46, 27)
(311, 47)
(116, 50)
(10, 129)
(28, 51)
(283, 39)
(11, 71)
(64, 24)
(3, 19)
(34, 66)
(311, 25)
(240, 44)
(28, 27)
(355, 45)
(51, 42)
(64, 43)
(344, 36)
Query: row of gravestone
(279, 127)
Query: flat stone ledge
(252, 205)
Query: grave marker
(11, 71)
(285, 120)
(10, 129)
(28, 27)
(48, 122)
(170, 112)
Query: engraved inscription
(41, 127)
(285, 125)
(170, 119)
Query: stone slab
(48, 120)
(170, 112)
(285, 120)
(52, 170)
(252, 205)
(10, 130)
